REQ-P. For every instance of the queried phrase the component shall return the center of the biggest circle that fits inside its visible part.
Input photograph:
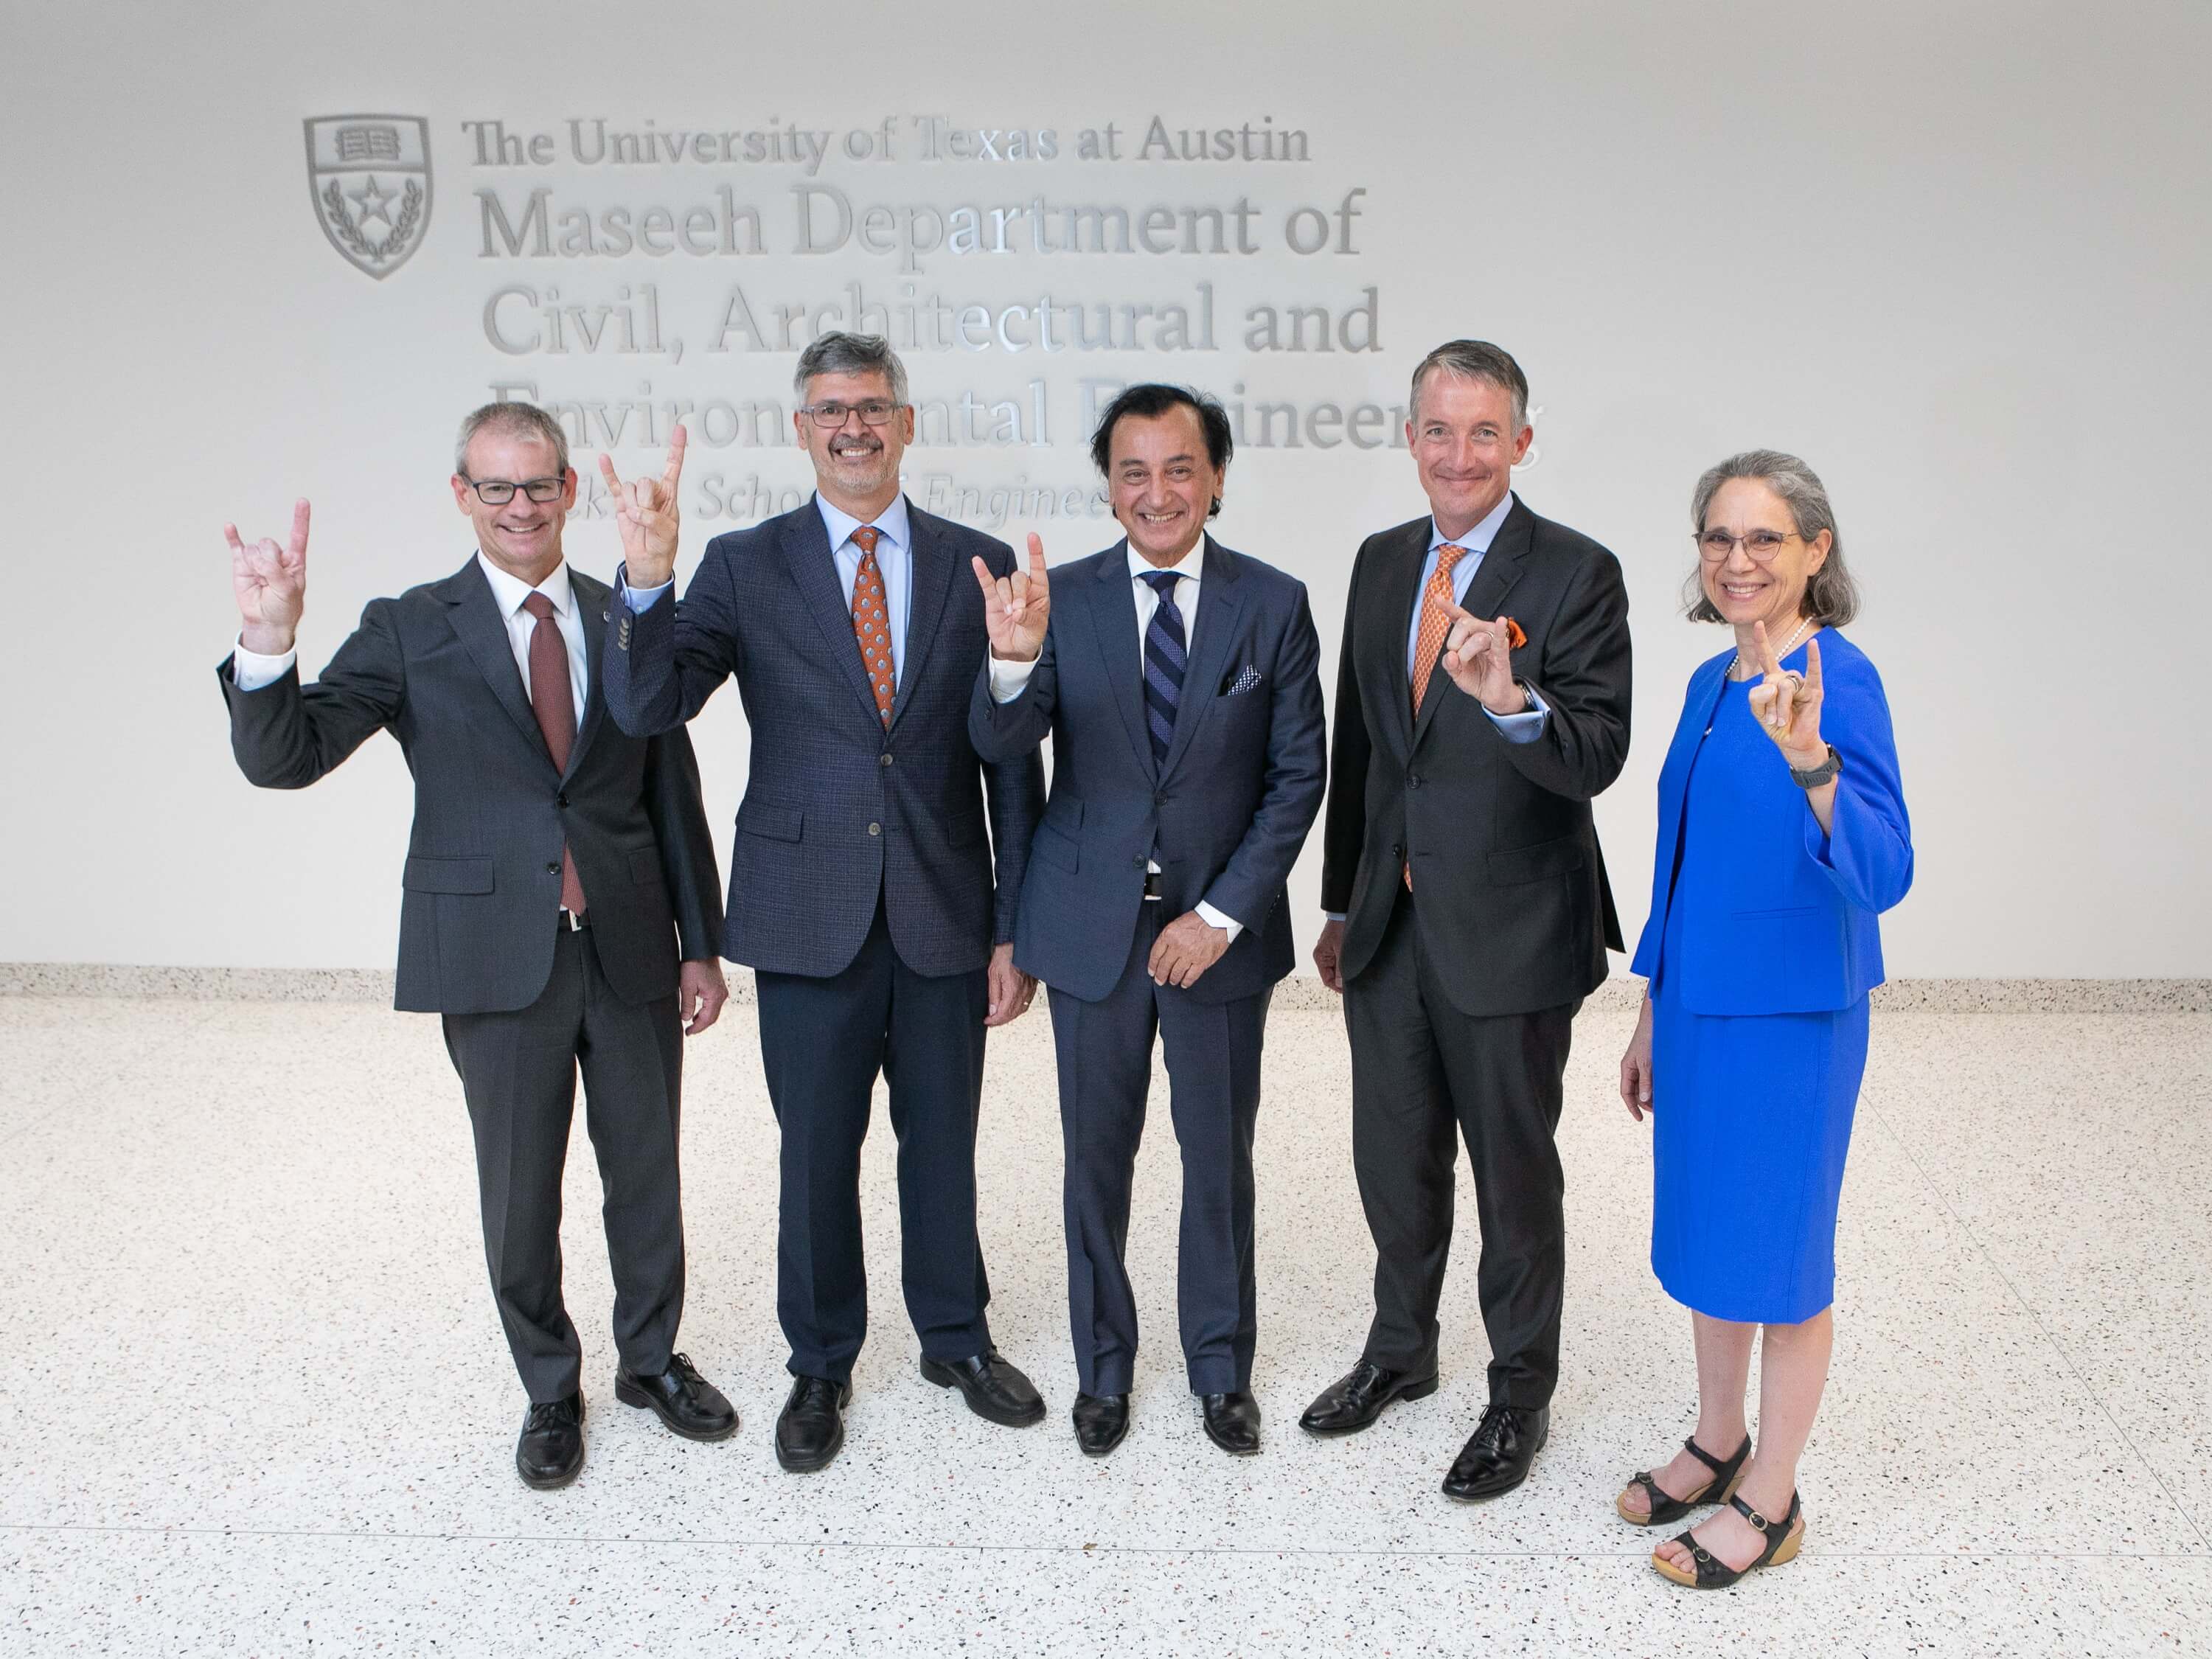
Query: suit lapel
(932, 566)
(482, 632)
(807, 550)
(1220, 601)
(1397, 593)
(1113, 613)
(1494, 579)
(590, 599)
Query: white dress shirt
(894, 558)
(1010, 679)
(251, 669)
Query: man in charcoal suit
(558, 900)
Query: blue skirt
(1751, 1120)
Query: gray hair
(1832, 598)
(1475, 359)
(512, 421)
(839, 353)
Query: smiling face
(1465, 447)
(856, 465)
(1163, 482)
(1743, 589)
(521, 537)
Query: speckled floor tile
(255, 1596)
(260, 1217)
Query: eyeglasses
(498, 492)
(1714, 546)
(830, 416)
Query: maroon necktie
(555, 704)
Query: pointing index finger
(607, 471)
(1813, 664)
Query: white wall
(1956, 257)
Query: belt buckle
(575, 922)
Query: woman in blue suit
(1782, 836)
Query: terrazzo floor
(253, 1399)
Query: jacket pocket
(1512, 866)
(426, 875)
(777, 823)
(1055, 847)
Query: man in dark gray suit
(1481, 704)
(1180, 683)
(554, 866)
(861, 888)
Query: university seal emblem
(370, 178)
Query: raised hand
(647, 513)
(1478, 657)
(1016, 608)
(270, 585)
(1787, 706)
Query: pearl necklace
(1787, 646)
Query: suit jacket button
(1398, 852)
(553, 869)
(560, 799)
(1140, 860)
(884, 759)
(1413, 779)
(875, 828)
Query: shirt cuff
(1213, 918)
(641, 599)
(1010, 679)
(250, 671)
(1526, 726)
(1333, 915)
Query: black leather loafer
(1355, 1400)
(1232, 1422)
(551, 1450)
(686, 1401)
(1497, 1456)
(1101, 1422)
(994, 1387)
(809, 1431)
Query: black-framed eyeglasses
(498, 492)
(1714, 546)
(876, 412)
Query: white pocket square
(1245, 680)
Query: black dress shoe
(994, 1387)
(810, 1429)
(1355, 1400)
(1497, 1456)
(1101, 1421)
(1232, 1422)
(551, 1450)
(681, 1398)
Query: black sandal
(1727, 1477)
(1713, 1573)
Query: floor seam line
(2026, 1307)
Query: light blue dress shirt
(894, 558)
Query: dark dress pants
(517, 1070)
(822, 1042)
(1424, 1074)
(1105, 1051)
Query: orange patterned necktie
(1435, 619)
(871, 624)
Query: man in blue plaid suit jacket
(862, 887)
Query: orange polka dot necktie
(871, 624)
(1429, 643)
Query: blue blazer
(840, 812)
(1223, 816)
(1798, 901)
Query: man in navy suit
(1179, 682)
(862, 891)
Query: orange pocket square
(1514, 636)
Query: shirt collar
(511, 591)
(890, 524)
(1477, 540)
(1187, 567)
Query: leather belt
(1151, 887)
(573, 923)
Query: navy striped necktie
(1164, 659)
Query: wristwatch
(1812, 777)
